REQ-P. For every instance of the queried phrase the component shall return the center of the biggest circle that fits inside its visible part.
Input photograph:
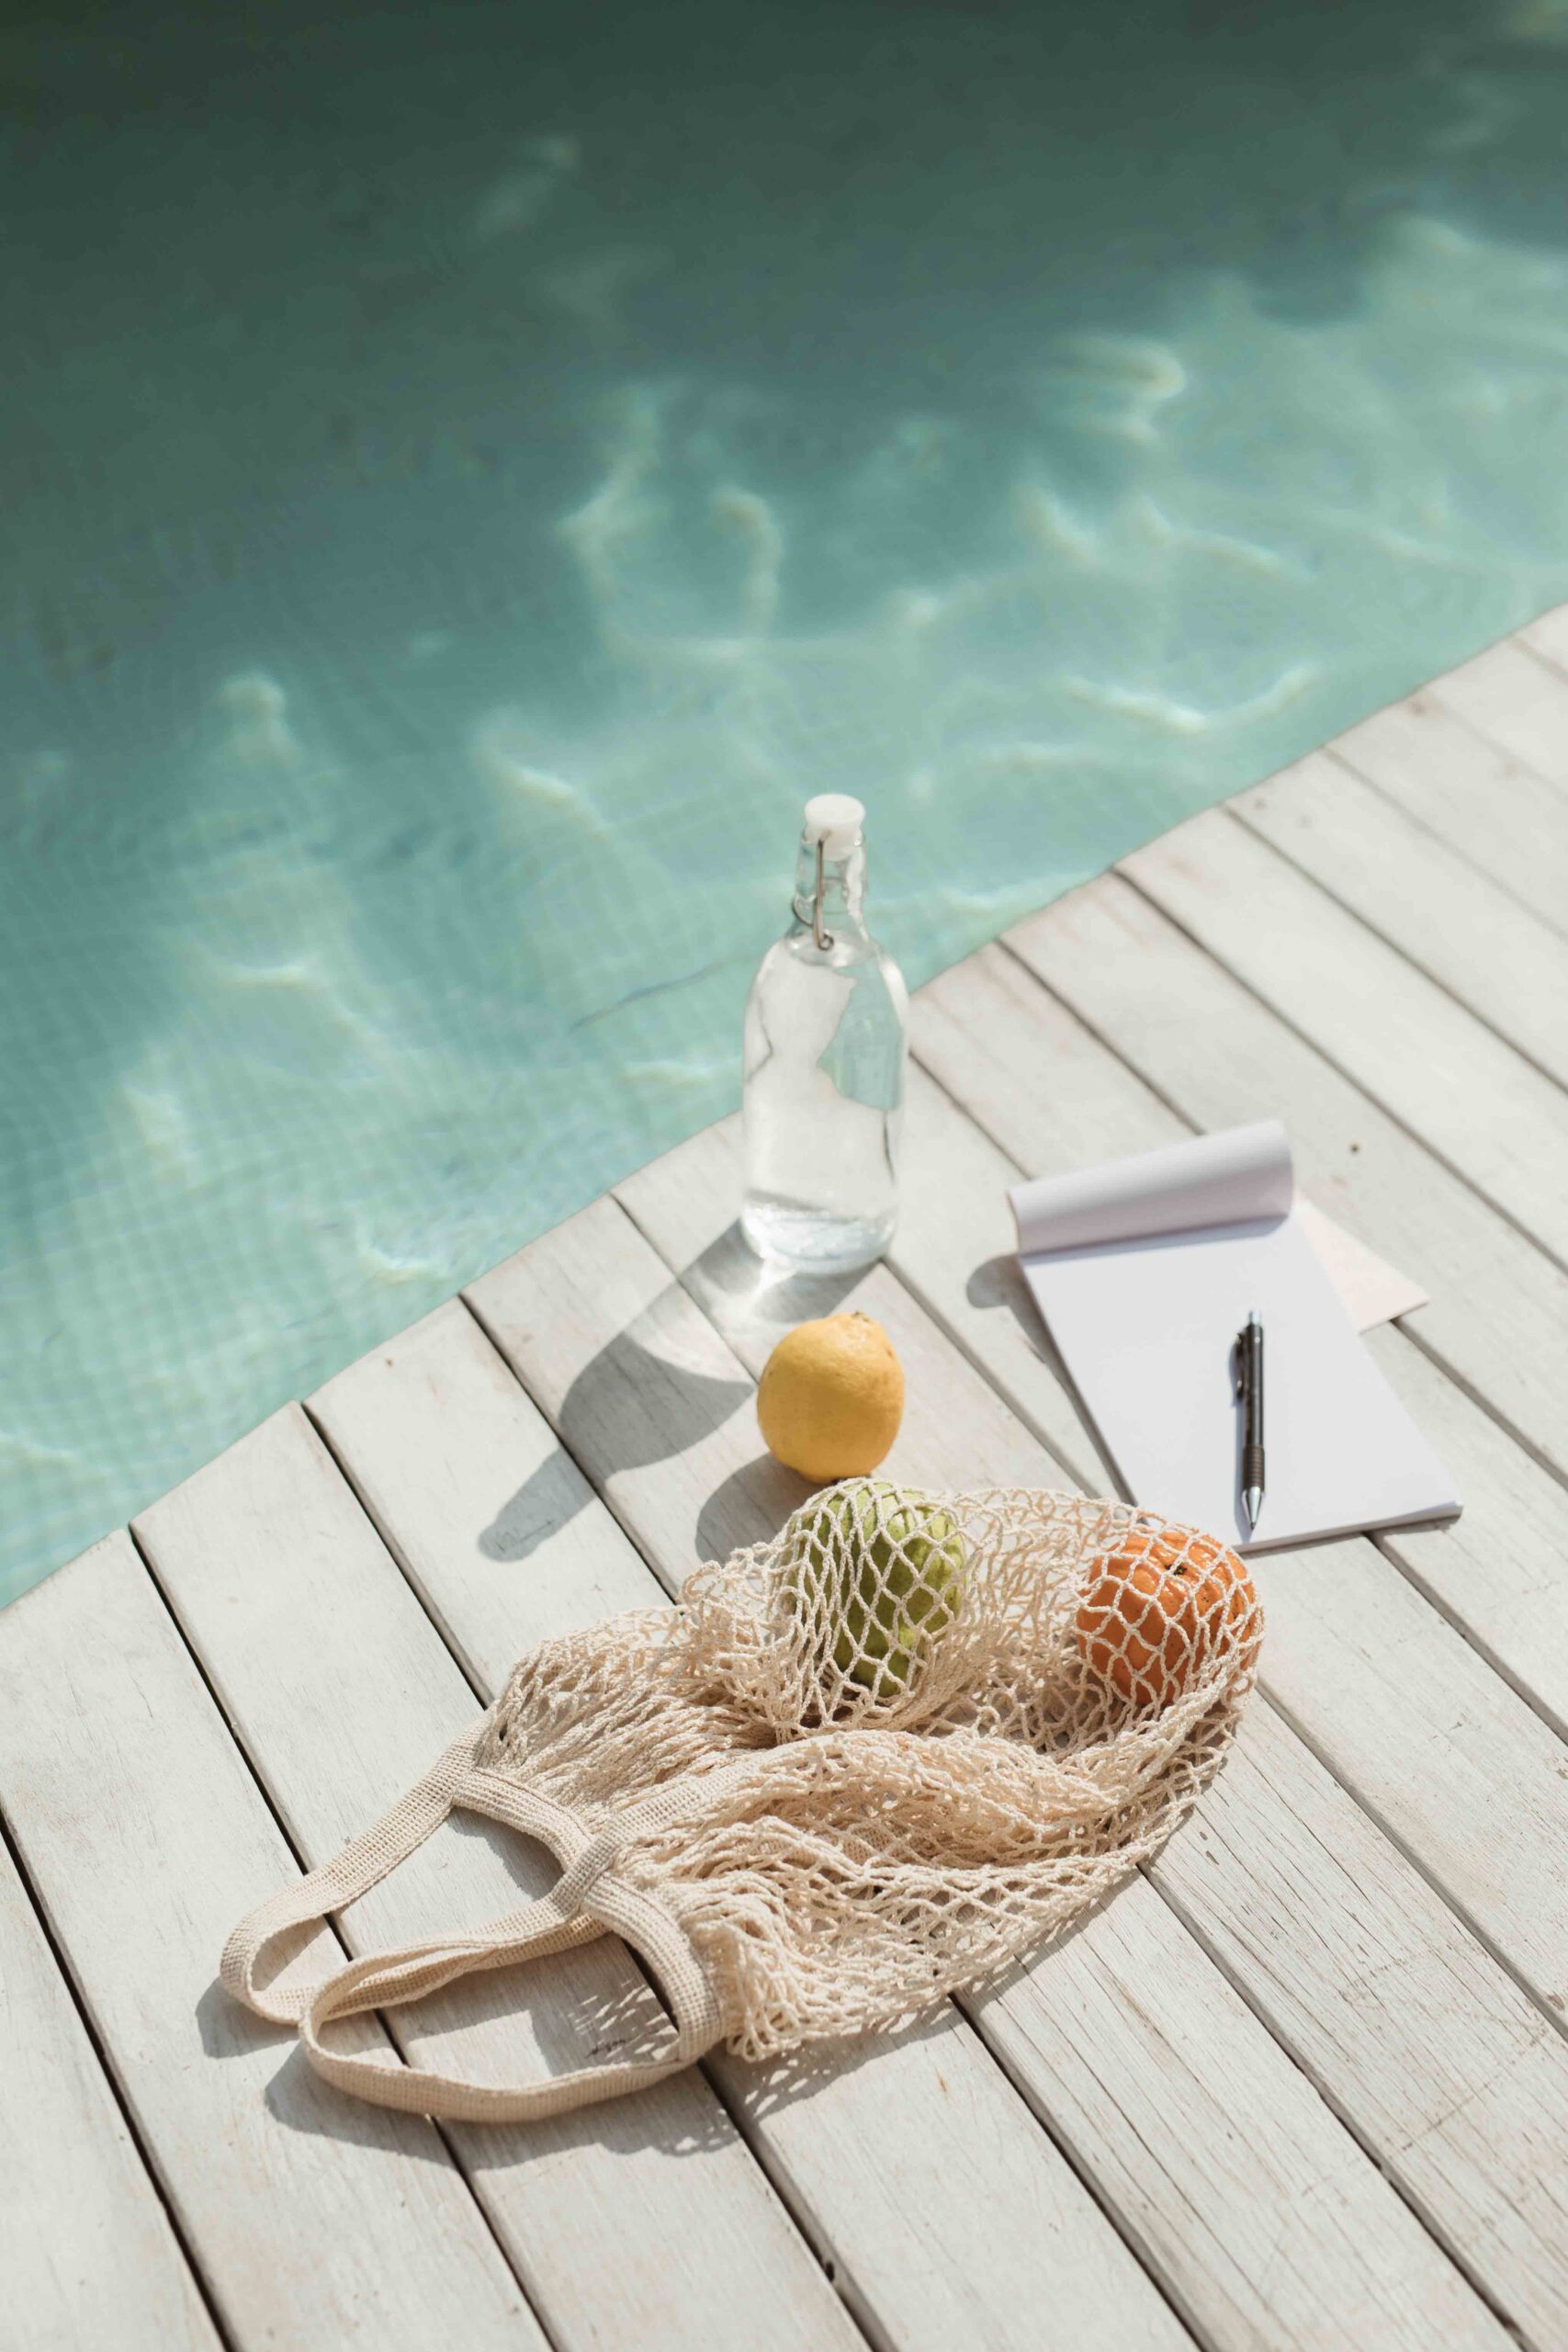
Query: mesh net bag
(857, 1767)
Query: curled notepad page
(1209, 1179)
(1146, 1269)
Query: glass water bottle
(825, 1049)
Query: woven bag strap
(361, 1865)
(587, 1898)
(557, 1921)
(386, 1979)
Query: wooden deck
(1304, 2084)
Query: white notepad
(1145, 1270)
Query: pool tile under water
(466, 486)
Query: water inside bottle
(825, 1049)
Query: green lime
(886, 1568)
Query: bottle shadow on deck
(632, 1406)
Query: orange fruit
(1159, 1607)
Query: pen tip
(1252, 1503)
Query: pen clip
(1238, 1362)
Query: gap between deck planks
(1466, 934)
(1504, 821)
(1547, 639)
(1113, 2035)
(117, 2275)
(670, 1201)
(1515, 695)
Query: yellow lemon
(831, 1397)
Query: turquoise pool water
(468, 475)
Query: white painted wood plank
(869, 2143)
(1356, 2232)
(1357, 2009)
(1517, 701)
(644, 2224)
(1497, 1316)
(86, 2252)
(1424, 899)
(146, 1839)
(1466, 1776)
(1448, 2073)
(1500, 815)
(638, 1388)
(1435, 1746)
(1548, 637)
(1275, 2236)
(490, 1519)
(1498, 1571)
(1480, 1106)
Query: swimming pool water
(468, 476)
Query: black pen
(1249, 1355)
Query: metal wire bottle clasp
(821, 937)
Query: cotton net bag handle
(555, 1922)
